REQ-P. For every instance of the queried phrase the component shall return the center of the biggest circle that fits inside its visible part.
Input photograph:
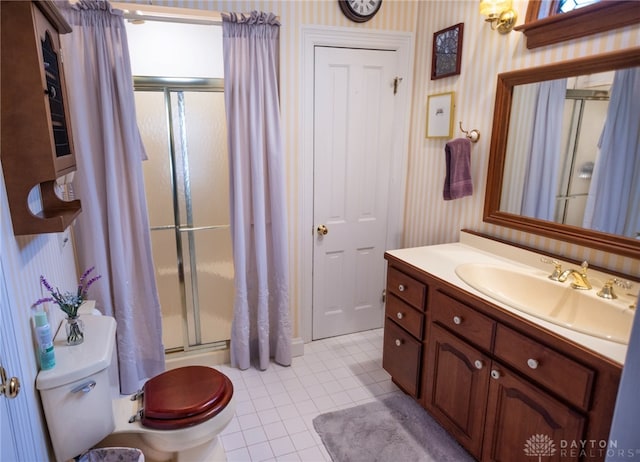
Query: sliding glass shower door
(585, 112)
(182, 122)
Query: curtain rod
(138, 13)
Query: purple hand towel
(457, 182)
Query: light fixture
(500, 14)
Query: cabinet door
(55, 95)
(401, 357)
(456, 389)
(524, 422)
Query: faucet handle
(623, 283)
(584, 267)
(557, 268)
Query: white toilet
(185, 409)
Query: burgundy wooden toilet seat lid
(184, 397)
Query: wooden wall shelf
(592, 19)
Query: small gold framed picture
(440, 115)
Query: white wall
(23, 260)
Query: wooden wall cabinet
(491, 379)
(36, 144)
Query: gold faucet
(580, 280)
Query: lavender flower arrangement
(69, 302)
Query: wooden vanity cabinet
(36, 143)
(494, 380)
(404, 329)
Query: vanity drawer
(405, 316)
(563, 376)
(401, 357)
(463, 320)
(406, 288)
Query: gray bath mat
(396, 428)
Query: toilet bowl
(178, 417)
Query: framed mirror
(507, 142)
(543, 27)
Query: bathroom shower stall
(181, 118)
(182, 123)
(584, 116)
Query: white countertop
(442, 260)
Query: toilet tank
(76, 394)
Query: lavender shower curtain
(112, 232)
(613, 205)
(541, 180)
(261, 328)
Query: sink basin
(556, 302)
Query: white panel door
(8, 444)
(353, 115)
(8, 449)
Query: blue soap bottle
(45, 341)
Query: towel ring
(473, 135)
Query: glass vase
(75, 330)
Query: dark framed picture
(447, 52)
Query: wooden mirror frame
(591, 19)
(504, 94)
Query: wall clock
(360, 10)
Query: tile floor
(275, 408)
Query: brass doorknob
(9, 388)
(322, 230)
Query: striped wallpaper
(430, 220)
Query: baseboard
(297, 347)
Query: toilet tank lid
(76, 362)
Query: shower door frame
(579, 97)
(168, 85)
